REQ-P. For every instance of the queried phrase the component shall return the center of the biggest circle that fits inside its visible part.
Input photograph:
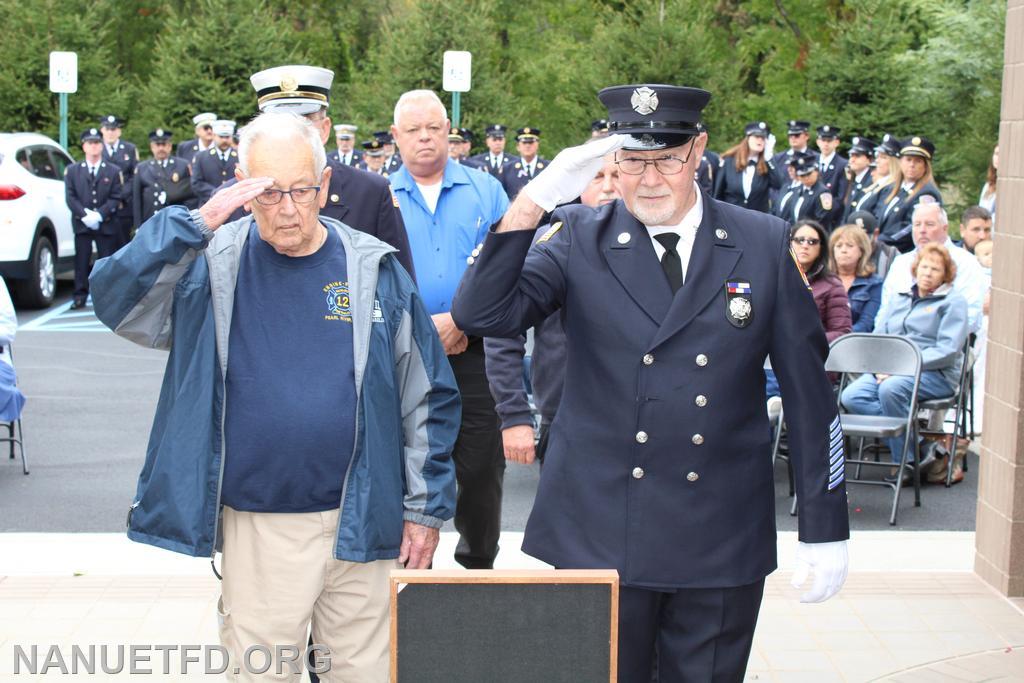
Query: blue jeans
(865, 396)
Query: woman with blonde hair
(885, 171)
(895, 215)
(746, 174)
(849, 259)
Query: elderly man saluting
(658, 462)
(307, 405)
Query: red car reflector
(11, 192)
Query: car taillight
(11, 192)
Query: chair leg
(898, 486)
(792, 508)
(10, 436)
(860, 456)
(21, 445)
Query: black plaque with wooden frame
(504, 626)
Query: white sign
(63, 72)
(457, 69)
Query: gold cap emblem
(288, 83)
(915, 141)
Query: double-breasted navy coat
(659, 459)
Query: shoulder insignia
(234, 154)
(551, 232)
(826, 200)
(800, 270)
(517, 164)
(212, 152)
(394, 197)
(540, 164)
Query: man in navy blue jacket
(659, 461)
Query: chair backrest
(874, 353)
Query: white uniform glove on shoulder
(829, 562)
(571, 171)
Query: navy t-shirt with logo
(290, 397)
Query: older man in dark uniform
(213, 168)
(162, 181)
(659, 461)
(94, 192)
(361, 200)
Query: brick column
(1000, 520)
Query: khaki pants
(280, 575)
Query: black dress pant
(124, 230)
(691, 635)
(479, 463)
(105, 246)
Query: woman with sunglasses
(746, 174)
(810, 248)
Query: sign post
(63, 79)
(457, 68)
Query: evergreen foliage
(909, 67)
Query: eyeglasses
(665, 165)
(299, 195)
(206, 127)
(809, 241)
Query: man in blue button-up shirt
(448, 209)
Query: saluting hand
(222, 204)
(571, 171)
(518, 444)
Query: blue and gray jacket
(173, 288)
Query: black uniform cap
(91, 135)
(889, 145)
(160, 135)
(656, 116)
(384, 136)
(111, 121)
(759, 128)
(496, 130)
(599, 126)
(796, 126)
(859, 145)
(804, 162)
(917, 147)
(828, 132)
(527, 133)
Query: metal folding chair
(15, 434)
(857, 354)
(957, 404)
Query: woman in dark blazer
(894, 211)
(849, 253)
(746, 174)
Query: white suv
(36, 239)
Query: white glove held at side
(829, 562)
(570, 172)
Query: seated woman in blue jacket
(933, 316)
(849, 253)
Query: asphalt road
(91, 398)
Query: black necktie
(670, 261)
(752, 162)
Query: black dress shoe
(908, 476)
(76, 304)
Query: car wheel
(38, 290)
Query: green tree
(32, 31)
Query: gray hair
(413, 96)
(281, 127)
(923, 203)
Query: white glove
(162, 198)
(769, 146)
(92, 219)
(830, 563)
(571, 171)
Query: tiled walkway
(890, 625)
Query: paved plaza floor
(911, 610)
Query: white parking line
(44, 318)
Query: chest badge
(738, 309)
(175, 177)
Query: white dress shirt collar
(686, 229)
